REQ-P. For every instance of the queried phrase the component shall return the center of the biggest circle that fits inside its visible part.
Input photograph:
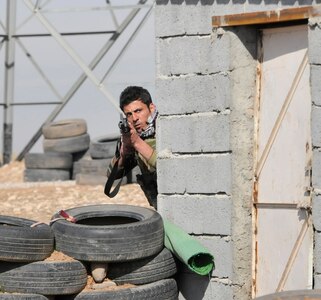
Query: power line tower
(118, 17)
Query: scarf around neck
(150, 130)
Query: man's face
(137, 113)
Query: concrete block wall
(314, 39)
(205, 90)
(198, 76)
(192, 92)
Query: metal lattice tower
(13, 36)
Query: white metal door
(283, 233)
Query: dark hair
(132, 93)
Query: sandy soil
(40, 200)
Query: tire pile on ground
(126, 240)
(69, 154)
(64, 142)
(92, 168)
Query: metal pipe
(40, 71)
(32, 15)
(9, 82)
(113, 16)
(125, 47)
(96, 8)
(63, 33)
(81, 79)
(63, 43)
(35, 103)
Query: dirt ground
(39, 201)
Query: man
(138, 145)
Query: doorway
(283, 234)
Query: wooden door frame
(267, 16)
(265, 19)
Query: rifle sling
(111, 179)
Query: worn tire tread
(19, 242)
(114, 242)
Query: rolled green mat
(187, 249)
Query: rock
(98, 271)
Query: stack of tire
(64, 142)
(92, 168)
(127, 239)
(24, 271)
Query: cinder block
(195, 174)
(315, 75)
(316, 169)
(221, 249)
(316, 209)
(317, 252)
(196, 133)
(198, 214)
(230, 8)
(314, 38)
(192, 55)
(316, 126)
(173, 20)
(193, 286)
(193, 93)
(317, 281)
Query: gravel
(40, 200)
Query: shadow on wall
(192, 286)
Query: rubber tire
(44, 277)
(161, 266)
(118, 241)
(64, 128)
(36, 175)
(68, 144)
(80, 155)
(19, 242)
(6, 296)
(91, 166)
(165, 289)
(49, 160)
(104, 146)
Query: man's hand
(132, 142)
(129, 140)
(134, 136)
(126, 146)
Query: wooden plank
(263, 17)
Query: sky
(135, 67)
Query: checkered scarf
(150, 131)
